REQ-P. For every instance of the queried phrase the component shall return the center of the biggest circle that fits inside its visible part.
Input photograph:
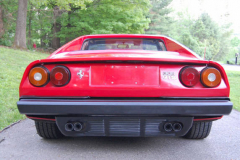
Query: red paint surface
(149, 75)
(171, 44)
(124, 75)
(208, 119)
(37, 118)
(157, 84)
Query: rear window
(129, 44)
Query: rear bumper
(124, 107)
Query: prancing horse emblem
(80, 74)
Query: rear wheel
(199, 130)
(48, 130)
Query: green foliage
(183, 28)
(224, 43)
(235, 42)
(105, 17)
(63, 4)
(9, 19)
(203, 36)
(161, 22)
(234, 48)
(81, 17)
(13, 63)
(41, 25)
(75, 18)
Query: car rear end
(124, 93)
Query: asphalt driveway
(22, 142)
(230, 67)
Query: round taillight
(210, 77)
(60, 76)
(189, 76)
(38, 76)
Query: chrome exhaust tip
(77, 126)
(177, 127)
(168, 127)
(68, 127)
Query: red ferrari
(124, 85)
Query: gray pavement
(22, 142)
(230, 67)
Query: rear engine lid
(124, 55)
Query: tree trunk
(20, 35)
(56, 40)
(1, 22)
(29, 27)
(43, 38)
(56, 28)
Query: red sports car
(124, 85)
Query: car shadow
(113, 143)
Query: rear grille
(121, 127)
(152, 127)
(95, 128)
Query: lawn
(234, 80)
(12, 65)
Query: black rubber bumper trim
(125, 107)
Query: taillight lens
(60, 76)
(189, 76)
(210, 77)
(38, 76)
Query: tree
(182, 31)
(203, 35)
(59, 7)
(30, 17)
(235, 42)
(39, 25)
(160, 20)
(56, 27)
(20, 35)
(7, 21)
(105, 17)
(1, 22)
(208, 34)
(224, 42)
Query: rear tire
(48, 130)
(199, 130)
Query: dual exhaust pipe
(77, 126)
(176, 127)
(168, 127)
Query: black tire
(199, 130)
(48, 130)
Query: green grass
(12, 65)
(14, 62)
(234, 80)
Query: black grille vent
(124, 127)
(95, 128)
(152, 127)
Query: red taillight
(189, 76)
(60, 76)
